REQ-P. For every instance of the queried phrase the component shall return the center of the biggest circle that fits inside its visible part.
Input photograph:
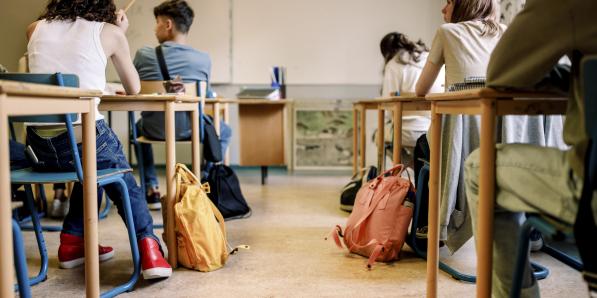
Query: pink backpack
(379, 221)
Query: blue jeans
(17, 156)
(150, 176)
(54, 154)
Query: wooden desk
(262, 126)
(488, 103)
(20, 99)
(167, 104)
(397, 105)
(359, 132)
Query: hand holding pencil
(121, 20)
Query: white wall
(319, 41)
(322, 41)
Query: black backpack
(225, 192)
(349, 191)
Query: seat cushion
(28, 176)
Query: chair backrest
(585, 227)
(149, 87)
(57, 79)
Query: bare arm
(427, 78)
(116, 47)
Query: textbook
(469, 83)
(259, 93)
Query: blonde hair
(487, 11)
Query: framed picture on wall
(322, 136)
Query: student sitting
(404, 61)
(173, 21)
(464, 45)
(530, 178)
(77, 36)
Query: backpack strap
(162, 63)
(374, 254)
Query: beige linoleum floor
(288, 255)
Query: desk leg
(363, 138)
(355, 139)
(170, 184)
(486, 198)
(434, 187)
(196, 143)
(6, 253)
(397, 148)
(381, 161)
(90, 206)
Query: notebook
(469, 83)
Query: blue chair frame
(422, 181)
(20, 261)
(66, 81)
(105, 177)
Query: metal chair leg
(39, 237)
(44, 205)
(128, 214)
(20, 261)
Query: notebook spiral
(469, 83)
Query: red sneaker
(71, 252)
(153, 264)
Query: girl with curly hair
(77, 37)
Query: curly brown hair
(70, 10)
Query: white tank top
(71, 48)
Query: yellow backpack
(200, 229)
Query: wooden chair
(151, 87)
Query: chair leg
(41, 243)
(126, 203)
(521, 257)
(20, 261)
(44, 206)
(104, 213)
(562, 257)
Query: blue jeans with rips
(54, 154)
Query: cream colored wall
(15, 15)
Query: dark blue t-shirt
(191, 65)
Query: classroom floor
(288, 257)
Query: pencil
(129, 5)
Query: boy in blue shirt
(173, 21)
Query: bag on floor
(226, 194)
(200, 230)
(349, 191)
(378, 224)
(212, 148)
